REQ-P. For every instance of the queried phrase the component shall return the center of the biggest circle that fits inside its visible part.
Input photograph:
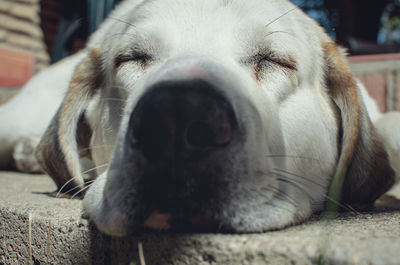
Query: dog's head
(225, 115)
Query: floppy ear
(68, 133)
(363, 172)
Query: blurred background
(36, 33)
(364, 26)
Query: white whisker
(79, 191)
(62, 187)
(281, 16)
(114, 99)
(94, 168)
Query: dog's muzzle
(183, 151)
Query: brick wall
(22, 50)
(380, 73)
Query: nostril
(153, 135)
(200, 135)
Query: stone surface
(20, 29)
(5, 6)
(24, 42)
(24, 11)
(17, 25)
(3, 35)
(60, 236)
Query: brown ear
(69, 133)
(363, 172)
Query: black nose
(184, 119)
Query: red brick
(376, 85)
(16, 67)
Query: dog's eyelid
(287, 62)
(139, 57)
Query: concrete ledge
(367, 238)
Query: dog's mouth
(181, 203)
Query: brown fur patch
(363, 172)
(58, 151)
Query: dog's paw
(24, 156)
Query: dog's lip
(180, 222)
(158, 221)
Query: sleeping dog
(223, 115)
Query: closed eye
(141, 58)
(262, 60)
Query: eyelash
(260, 59)
(141, 58)
(289, 65)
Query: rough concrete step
(53, 232)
